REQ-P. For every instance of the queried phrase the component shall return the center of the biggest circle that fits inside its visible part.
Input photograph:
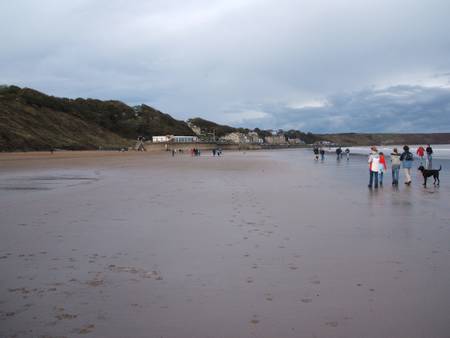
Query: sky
(313, 65)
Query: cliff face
(209, 127)
(30, 120)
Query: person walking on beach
(407, 159)
(429, 163)
(316, 153)
(382, 168)
(420, 152)
(338, 153)
(395, 166)
(374, 167)
(322, 154)
(347, 153)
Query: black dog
(428, 173)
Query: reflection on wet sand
(266, 244)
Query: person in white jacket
(374, 167)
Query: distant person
(214, 152)
(429, 163)
(420, 152)
(322, 154)
(382, 167)
(407, 160)
(395, 166)
(374, 167)
(347, 153)
(316, 153)
(338, 153)
(173, 152)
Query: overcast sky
(314, 65)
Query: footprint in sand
(332, 324)
(254, 320)
(86, 329)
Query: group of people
(195, 152)
(421, 151)
(174, 151)
(377, 164)
(339, 153)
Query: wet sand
(261, 244)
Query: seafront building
(174, 139)
(254, 138)
(275, 139)
(238, 138)
(295, 141)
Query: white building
(174, 139)
(254, 137)
(158, 139)
(184, 139)
(236, 138)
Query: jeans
(407, 175)
(395, 173)
(372, 175)
(429, 163)
(380, 175)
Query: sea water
(440, 151)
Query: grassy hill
(30, 120)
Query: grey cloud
(394, 109)
(217, 58)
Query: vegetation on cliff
(30, 120)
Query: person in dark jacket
(338, 153)
(316, 153)
(429, 162)
(407, 159)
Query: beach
(249, 244)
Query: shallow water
(440, 151)
(265, 244)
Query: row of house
(236, 138)
(241, 138)
(253, 138)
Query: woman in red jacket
(420, 152)
(382, 168)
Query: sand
(255, 244)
